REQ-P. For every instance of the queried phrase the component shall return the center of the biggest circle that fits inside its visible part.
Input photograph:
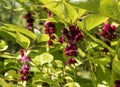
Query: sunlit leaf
(22, 40)
(45, 58)
(93, 20)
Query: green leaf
(42, 78)
(41, 37)
(110, 8)
(23, 1)
(22, 40)
(44, 37)
(7, 55)
(14, 28)
(91, 5)
(116, 65)
(55, 7)
(59, 63)
(45, 58)
(3, 45)
(46, 1)
(10, 36)
(3, 83)
(12, 73)
(80, 12)
(93, 20)
(72, 84)
(101, 61)
(118, 53)
(70, 12)
(37, 33)
(102, 74)
(101, 42)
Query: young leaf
(45, 58)
(22, 40)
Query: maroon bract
(65, 32)
(23, 78)
(74, 34)
(117, 83)
(50, 30)
(71, 49)
(49, 42)
(21, 53)
(71, 61)
(49, 24)
(24, 71)
(108, 32)
(29, 20)
(25, 59)
(61, 39)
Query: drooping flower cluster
(24, 71)
(50, 30)
(73, 36)
(108, 31)
(29, 20)
(117, 83)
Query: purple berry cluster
(73, 36)
(24, 71)
(50, 30)
(108, 31)
(29, 20)
(117, 83)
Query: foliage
(59, 43)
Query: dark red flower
(71, 61)
(61, 39)
(117, 83)
(49, 24)
(108, 31)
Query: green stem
(36, 66)
(92, 73)
(112, 78)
